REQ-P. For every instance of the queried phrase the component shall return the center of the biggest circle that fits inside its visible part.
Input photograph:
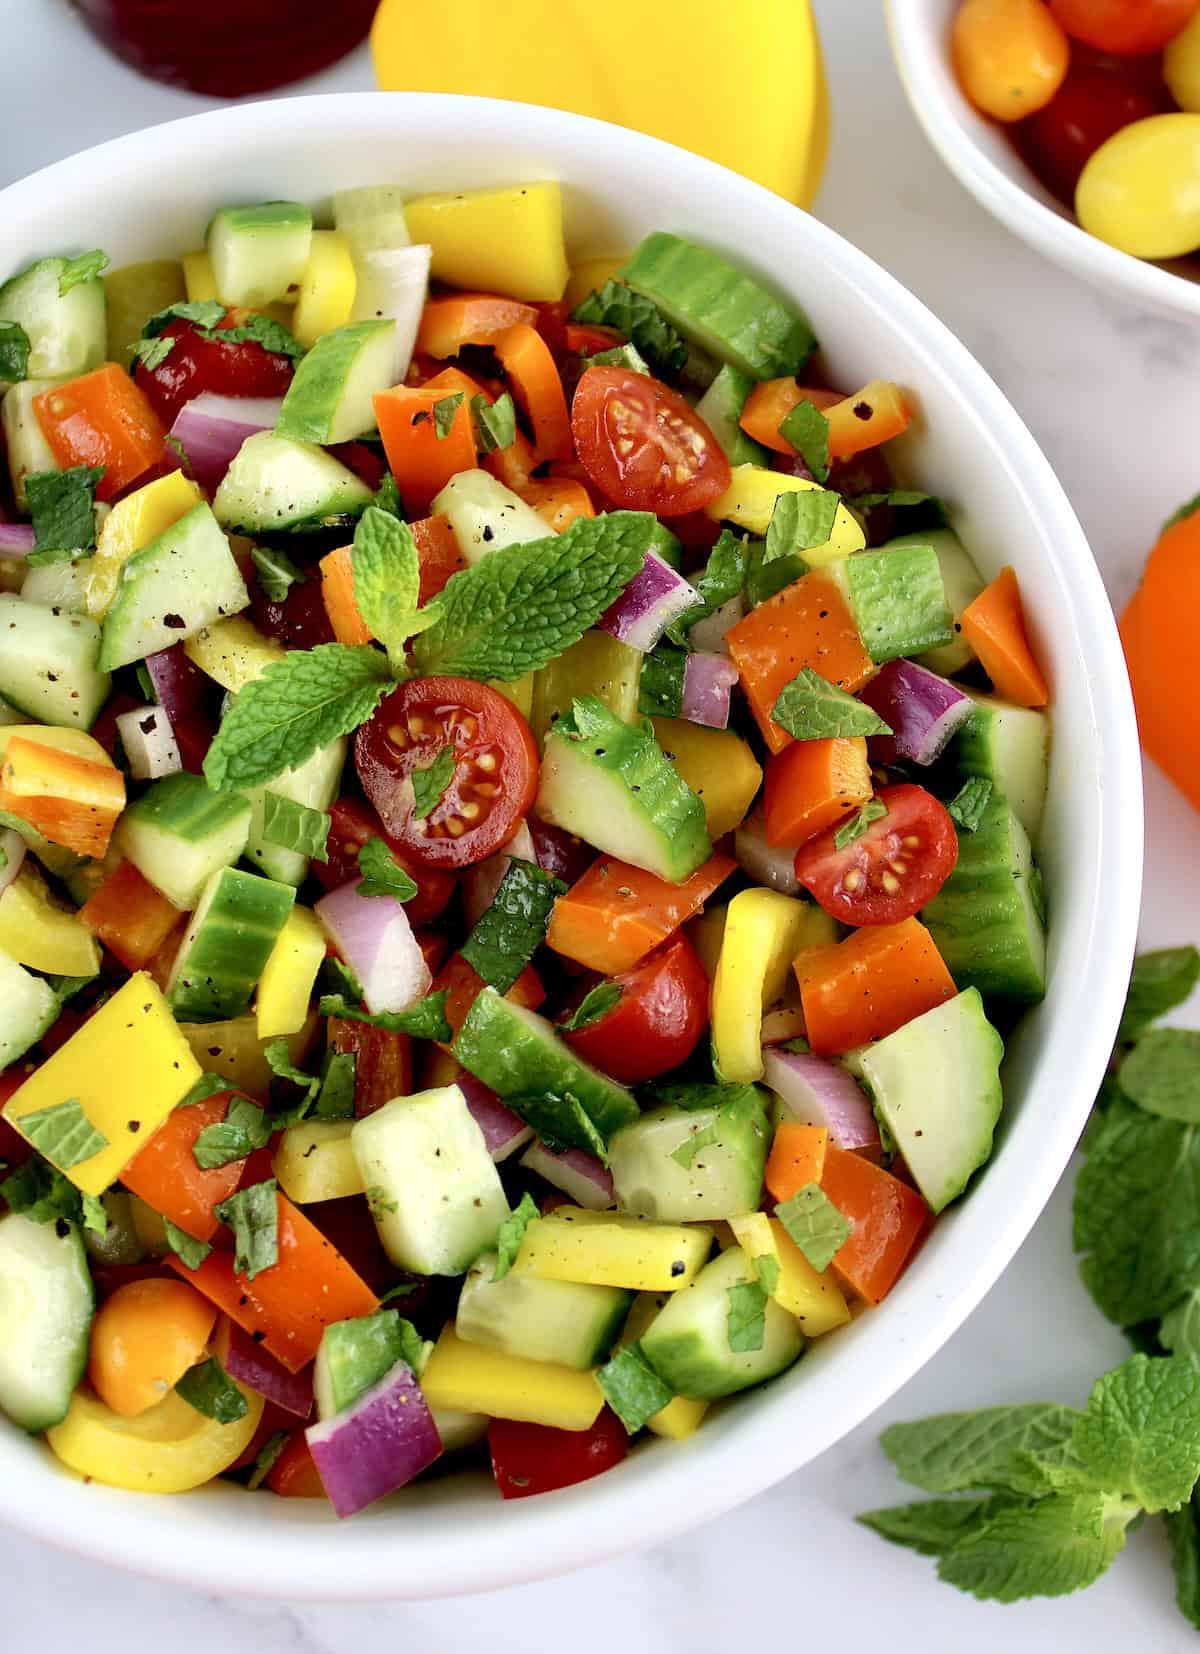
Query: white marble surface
(1112, 395)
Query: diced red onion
(503, 1131)
(392, 284)
(481, 882)
(210, 430)
(374, 937)
(581, 1176)
(559, 852)
(765, 862)
(708, 635)
(819, 1093)
(922, 710)
(149, 743)
(16, 540)
(12, 845)
(707, 681)
(648, 605)
(376, 1445)
(251, 1365)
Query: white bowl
(981, 157)
(150, 194)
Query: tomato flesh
(493, 782)
(892, 870)
(658, 1020)
(1128, 28)
(351, 824)
(196, 364)
(532, 1458)
(644, 446)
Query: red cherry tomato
(351, 824)
(643, 446)
(382, 1062)
(533, 1458)
(1088, 108)
(899, 863)
(658, 1020)
(1126, 27)
(195, 364)
(491, 787)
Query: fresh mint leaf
(509, 933)
(957, 1452)
(594, 1005)
(660, 682)
(800, 521)
(1180, 1329)
(335, 1097)
(297, 705)
(86, 267)
(640, 321)
(966, 808)
(1139, 1434)
(279, 1060)
(911, 508)
(244, 1129)
(67, 987)
(620, 356)
(1183, 1531)
(745, 1321)
(387, 582)
(378, 1202)
(204, 313)
(61, 504)
(561, 1122)
(425, 1020)
(521, 606)
(766, 580)
(382, 874)
(210, 1390)
(387, 497)
(855, 828)
(265, 1462)
(292, 826)
(208, 1085)
(445, 411)
(1162, 1074)
(14, 352)
(1161, 980)
(430, 781)
(815, 1224)
(766, 1268)
(807, 429)
(94, 1214)
(336, 978)
(735, 1105)
(152, 353)
(1045, 1548)
(260, 330)
(512, 1233)
(277, 574)
(40, 1192)
(931, 1527)
(813, 709)
(253, 1215)
(722, 580)
(404, 1290)
(633, 1389)
(187, 1248)
(63, 1133)
(495, 422)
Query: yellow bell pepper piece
(598, 664)
(815, 1300)
(750, 500)
(72, 741)
(315, 1161)
(507, 240)
(519, 692)
(327, 288)
(131, 525)
(588, 275)
(471, 1379)
(233, 652)
(127, 1066)
(606, 1249)
(132, 294)
(763, 931)
(717, 765)
(286, 984)
(198, 277)
(234, 1050)
(36, 931)
(169, 1449)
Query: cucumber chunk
(67, 331)
(721, 1179)
(720, 308)
(46, 1304)
(58, 586)
(486, 515)
(331, 398)
(721, 407)
(276, 485)
(936, 1083)
(180, 832)
(29, 454)
(49, 664)
(354, 1355)
(540, 1319)
(28, 1007)
(1009, 746)
(898, 600)
(259, 253)
(314, 783)
(227, 945)
(371, 217)
(963, 584)
(687, 1343)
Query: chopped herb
(85, 267)
(445, 410)
(495, 422)
(209, 1389)
(62, 504)
(208, 1085)
(966, 808)
(745, 1322)
(253, 1215)
(63, 1133)
(424, 1020)
(640, 321)
(594, 1005)
(293, 826)
(815, 1224)
(14, 352)
(382, 874)
(813, 709)
(509, 933)
(854, 829)
(633, 1389)
(277, 574)
(430, 782)
(244, 1129)
(187, 1248)
(512, 1233)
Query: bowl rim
(922, 62)
(595, 1521)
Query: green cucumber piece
(233, 930)
(721, 407)
(46, 1304)
(331, 398)
(67, 331)
(371, 218)
(58, 586)
(608, 782)
(897, 599)
(179, 833)
(28, 1007)
(275, 485)
(719, 308)
(962, 582)
(936, 1083)
(687, 1343)
(518, 1054)
(486, 515)
(314, 783)
(172, 589)
(29, 454)
(986, 918)
(598, 664)
(1010, 747)
(721, 1179)
(354, 1355)
(433, 1189)
(543, 1320)
(259, 253)
(49, 664)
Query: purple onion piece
(581, 1176)
(16, 540)
(377, 1445)
(707, 682)
(12, 846)
(648, 605)
(503, 1131)
(374, 937)
(254, 1367)
(559, 852)
(922, 710)
(211, 429)
(481, 882)
(815, 1092)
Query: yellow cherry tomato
(1141, 190)
(144, 1338)
(1010, 56)
(170, 1449)
(1181, 67)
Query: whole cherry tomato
(197, 363)
(533, 1458)
(892, 869)
(351, 824)
(644, 446)
(657, 1022)
(1010, 56)
(1126, 27)
(1089, 107)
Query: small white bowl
(980, 155)
(150, 195)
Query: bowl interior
(981, 156)
(150, 195)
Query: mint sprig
(813, 709)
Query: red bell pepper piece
(533, 1458)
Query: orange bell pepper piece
(558, 500)
(806, 624)
(769, 404)
(888, 1219)
(337, 594)
(71, 800)
(438, 552)
(812, 785)
(294, 1474)
(615, 914)
(866, 987)
(872, 415)
(797, 1158)
(514, 465)
(102, 419)
(1157, 633)
(129, 916)
(537, 388)
(165, 1175)
(994, 626)
(421, 461)
(447, 324)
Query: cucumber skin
(227, 945)
(19, 1234)
(178, 814)
(684, 1341)
(283, 231)
(312, 407)
(898, 601)
(721, 408)
(724, 1179)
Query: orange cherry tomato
(144, 1338)
(1010, 56)
(1125, 27)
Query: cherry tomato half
(492, 784)
(1126, 27)
(351, 824)
(644, 446)
(533, 1458)
(658, 1020)
(195, 364)
(899, 863)
(1090, 106)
